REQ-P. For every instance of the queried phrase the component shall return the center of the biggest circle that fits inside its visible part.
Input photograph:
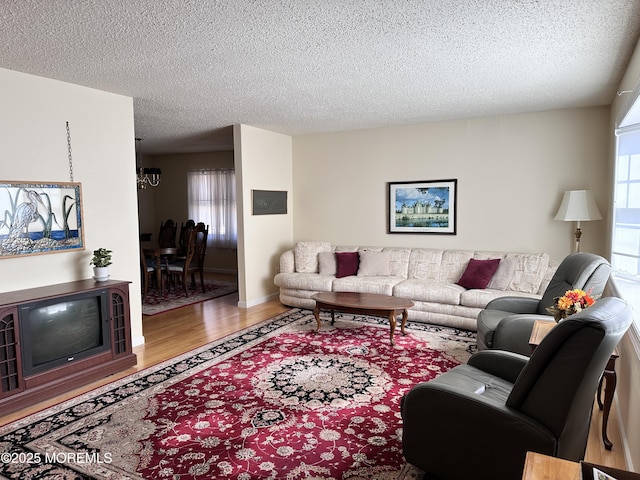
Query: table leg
(609, 389)
(316, 313)
(405, 315)
(159, 274)
(599, 394)
(392, 323)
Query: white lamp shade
(578, 205)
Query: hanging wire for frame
(69, 148)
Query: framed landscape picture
(427, 206)
(42, 217)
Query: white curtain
(212, 200)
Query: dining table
(161, 254)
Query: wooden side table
(543, 467)
(540, 330)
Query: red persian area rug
(273, 401)
(155, 302)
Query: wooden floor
(178, 331)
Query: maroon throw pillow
(347, 263)
(478, 273)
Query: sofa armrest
(287, 262)
(514, 304)
(506, 365)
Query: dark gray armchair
(478, 420)
(506, 323)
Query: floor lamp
(578, 206)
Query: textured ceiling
(195, 67)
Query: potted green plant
(101, 260)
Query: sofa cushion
(347, 263)
(453, 264)
(530, 271)
(551, 270)
(304, 281)
(398, 261)
(306, 255)
(504, 274)
(488, 254)
(424, 264)
(327, 263)
(427, 291)
(478, 273)
(379, 285)
(373, 264)
(478, 298)
(345, 248)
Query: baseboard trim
(623, 434)
(253, 303)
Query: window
(212, 200)
(626, 232)
(625, 251)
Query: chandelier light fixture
(146, 176)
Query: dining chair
(201, 252)
(167, 234)
(148, 271)
(185, 232)
(193, 261)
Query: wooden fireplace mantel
(18, 391)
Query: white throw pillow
(374, 264)
(327, 263)
(503, 276)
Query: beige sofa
(429, 277)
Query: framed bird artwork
(40, 217)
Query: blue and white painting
(423, 207)
(39, 218)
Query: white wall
(34, 148)
(511, 171)
(262, 162)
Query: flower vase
(557, 313)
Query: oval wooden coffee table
(365, 304)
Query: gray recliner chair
(478, 420)
(506, 323)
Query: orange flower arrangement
(573, 301)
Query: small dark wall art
(269, 202)
(427, 206)
(40, 218)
